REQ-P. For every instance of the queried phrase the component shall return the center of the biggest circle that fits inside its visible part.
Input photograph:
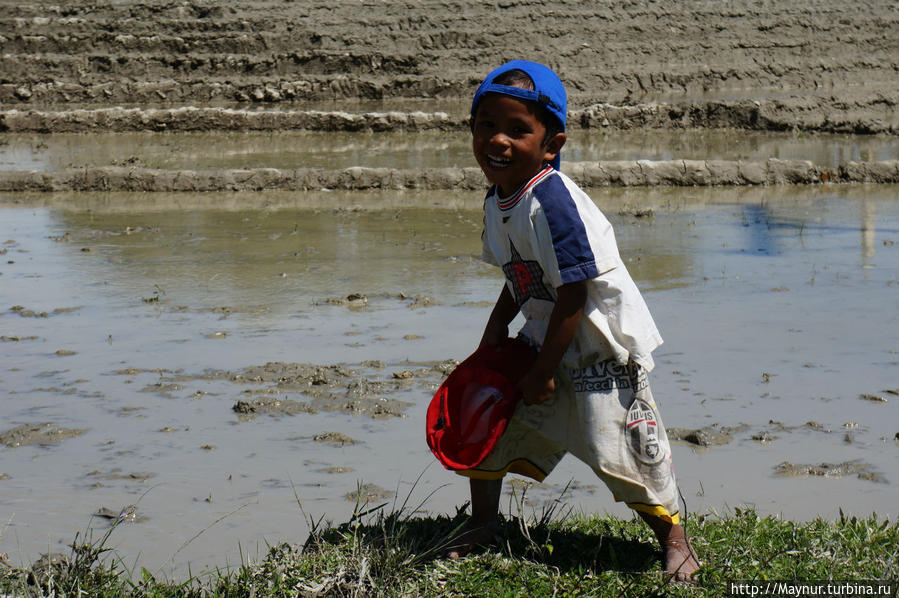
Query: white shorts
(605, 416)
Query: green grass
(379, 553)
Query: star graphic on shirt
(526, 277)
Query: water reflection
(757, 220)
(296, 256)
(342, 245)
(868, 229)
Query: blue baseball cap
(548, 91)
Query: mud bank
(587, 174)
(822, 115)
(108, 53)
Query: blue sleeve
(569, 235)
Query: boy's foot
(468, 539)
(679, 560)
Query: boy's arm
(505, 310)
(538, 385)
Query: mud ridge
(192, 118)
(871, 116)
(587, 174)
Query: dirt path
(821, 56)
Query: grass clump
(382, 552)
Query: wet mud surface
(222, 364)
(339, 388)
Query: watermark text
(884, 589)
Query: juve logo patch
(642, 432)
(526, 277)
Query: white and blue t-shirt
(549, 233)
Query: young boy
(587, 393)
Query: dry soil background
(826, 64)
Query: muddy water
(426, 149)
(142, 321)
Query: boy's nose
(500, 139)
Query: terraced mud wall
(810, 65)
(746, 114)
(586, 174)
(105, 52)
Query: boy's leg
(482, 526)
(679, 559)
(624, 441)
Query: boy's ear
(553, 146)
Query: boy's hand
(538, 385)
(536, 388)
(497, 329)
(494, 334)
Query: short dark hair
(519, 78)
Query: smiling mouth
(498, 161)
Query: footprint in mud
(764, 437)
(248, 410)
(817, 426)
(873, 398)
(116, 474)
(368, 492)
(275, 483)
(128, 410)
(353, 301)
(334, 439)
(127, 515)
(712, 435)
(37, 434)
(862, 471)
(162, 389)
(417, 301)
(334, 470)
(30, 313)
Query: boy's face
(509, 142)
